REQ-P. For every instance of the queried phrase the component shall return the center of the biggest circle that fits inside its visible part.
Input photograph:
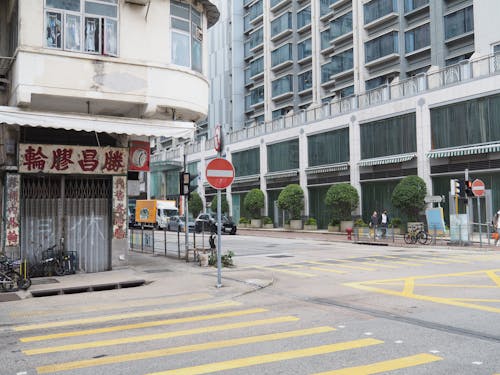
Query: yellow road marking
(297, 273)
(409, 287)
(141, 325)
(180, 349)
(383, 366)
(269, 358)
(138, 314)
(355, 267)
(493, 276)
(112, 306)
(367, 285)
(401, 261)
(422, 260)
(158, 336)
(327, 270)
(378, 264)
(446, 259)
(461, 286)
(475, 299)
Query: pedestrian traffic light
(186, 186)
(468, 188)
(455, 187)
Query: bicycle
(10, 278)
(417, 235)
(49, 265)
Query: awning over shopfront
(327, 168)
(246, 179)
(281, 174)
(100, 124)
(482, 148)
(387, 159)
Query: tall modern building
(360, 91)
(84, 84)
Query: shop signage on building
(12, 209)
(63, 159)
(139, 156)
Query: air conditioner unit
(137, 2)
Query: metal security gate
(68, 211)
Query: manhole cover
(280, 256)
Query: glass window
(83, 25)
(255, 10)
(324, 7)
(459, 23)
(304, 17)
(304, 49)
(257, 95)
(282, 85)
(457, 59)
(375, 82)
(282, 54)
(326, 72)
(376, 9)
(396, 134)
(414, 4)
(283, 156)
(341, 25)
(346, 91)
(257, 66)
(246, 163)
(381, 46)
(325, 39)
(186, 36)
(305, 80)
(328, 148)
(419, 37)
(282, 23)
(342, 62)
(281, 112)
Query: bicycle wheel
(24, 283)
(10, 280)
(59, 269)
(408, 238)
(421, 237)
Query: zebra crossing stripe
(158, 336)
(142, 325)
(269, 358)
(138, 314)
(391, 365)
(181, 349)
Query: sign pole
(219, 242)
(479, 219)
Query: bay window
(187, 34)
(89, 26)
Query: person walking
(384, 223)
(373, 224)
(496, 226)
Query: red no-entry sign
(478, 188)
(220, 173)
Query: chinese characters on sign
(12, 210)
(119, 207)
(35, 158)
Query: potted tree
(409, 196)
(334, 225)
(396, 225)
(254, 203)
(243, 222)
(291, 199)
(267, 222)
(311, 224)
(342, 199)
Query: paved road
(332, 308)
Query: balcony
(381, 21)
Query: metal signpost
(478, 191)
(220, 175)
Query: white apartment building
(317, 92)
(85, 84)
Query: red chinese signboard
(61, 159)
(12, 210)
(119, 207)
(139, 156)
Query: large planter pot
(295, 224)
(396, 230)
(310, 227)
(346, 224)
(243, 225)
(256, 223)
(287, 226)
(203, 258)
(268, 226)
(333, 228)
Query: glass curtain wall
(246, 163)
(283, 156)
(328, 148)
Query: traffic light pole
(186, 225)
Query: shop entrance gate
(68, 211)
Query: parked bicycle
(10, 278)
(419, 235)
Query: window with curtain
(459, 23)
(186, 35)
(282, 23)
(304, 49)
(281, 54)
(382, 46)
(417, 38)
(246, 163)
(342, 62)
(282, 85)
(305, 80)
(82, 26)
(341, 25)
(328, 148)
(391, 136)
(376, 9)
(470, 122)
(304, 17)
(414, 4)
(283, 156)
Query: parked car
(208, 222)
(176, 224)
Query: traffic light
(458, 188)
(468, 188)
(185, 186)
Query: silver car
(176, 224)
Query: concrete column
(424, 142)
(355, 156)
(303, 160)
(263, 171)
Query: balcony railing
(451, 75)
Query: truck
(155, 212)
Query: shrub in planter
(334, 225)
(311, 224)
(267, 222)
(291, 199)
(254, 203)
(409, 196)
(243, 222)
(342, 199)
